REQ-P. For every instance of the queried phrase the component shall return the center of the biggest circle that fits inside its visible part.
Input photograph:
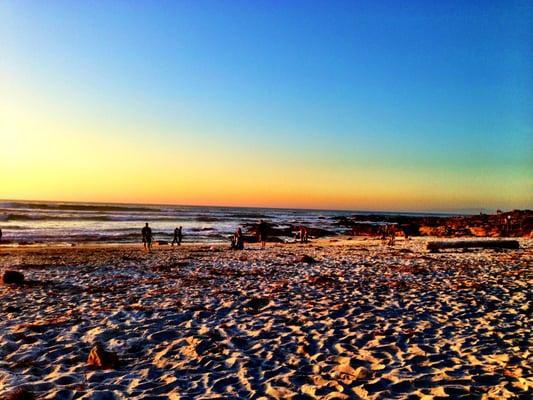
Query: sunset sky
(374, 105)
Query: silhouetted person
(147, 237)
(304, 234)
(383, 232)
(0, 235)
(237, 242)
(178, 236)
(175, 239)
(262, 232)
(392, 235)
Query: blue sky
(428, 85)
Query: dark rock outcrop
(517, 223)
(13, 277)
(275, 233)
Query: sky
(362, 105)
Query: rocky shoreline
(518, 223)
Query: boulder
(102, 359)
(322, 280)
(19, 394)
(256, 303)
(313, 232)
(478, 231)
(13, 277)
(272, 232)
(307, 259)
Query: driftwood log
(467, 244)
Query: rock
(100, 358)
(19, 394)
(307, 259)
(478, 231)
(323, 280)
(256, 303)
(13, 277)
(11, 309)
(274, 233)
(312, 232)
(517, 223)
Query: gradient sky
(415, 105)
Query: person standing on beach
(304, 235)
(392, 235)
(178, 236)
(0, 235)
(175, 239)
(147, 237)
(262, 232)
(237, 242)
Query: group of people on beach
(147, 236)
(303, 234)
(237, 240)
(389, 231)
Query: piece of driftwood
(467, 244)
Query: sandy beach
(331, 319)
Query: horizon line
(457, 211)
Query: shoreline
(339, 240)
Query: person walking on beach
(178, 235)
(262, 232)
(147, 237)
(175, 239)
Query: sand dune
(363, 321)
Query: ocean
(35, 222)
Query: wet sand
(362, 321)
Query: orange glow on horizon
(76, 159)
